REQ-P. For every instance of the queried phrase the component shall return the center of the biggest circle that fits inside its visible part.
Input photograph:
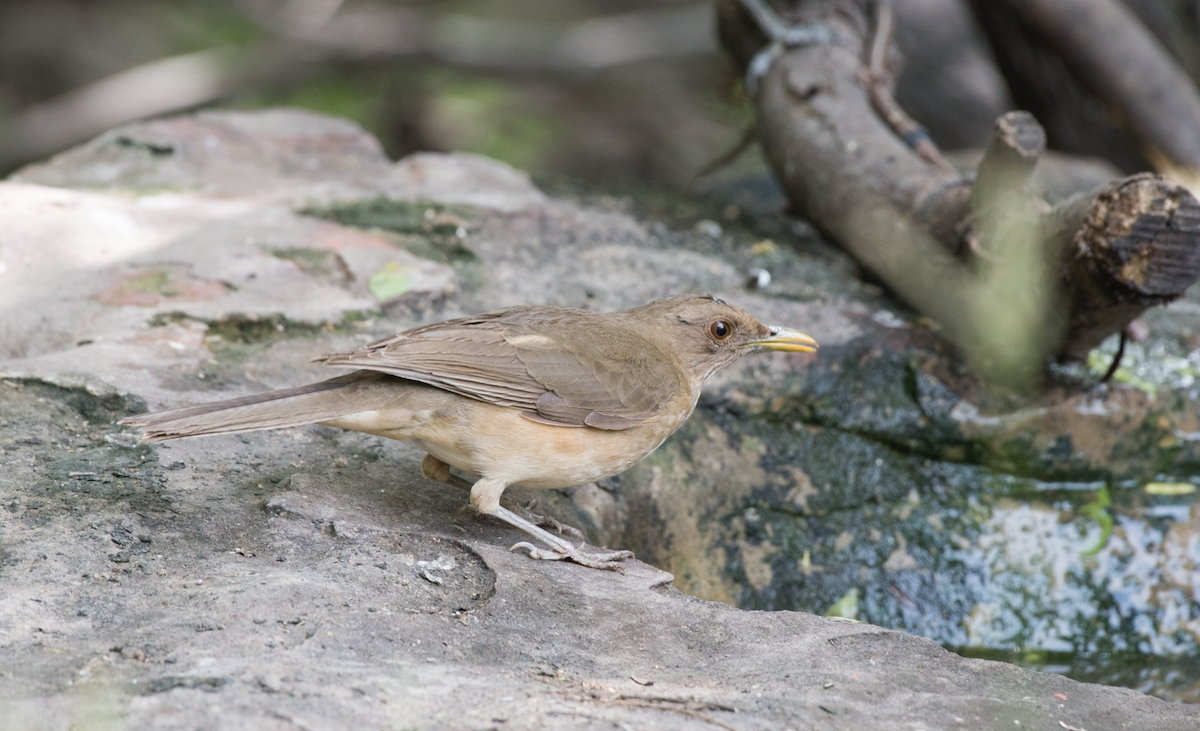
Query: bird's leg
(485, 496)
(439, 471)
(561, 549)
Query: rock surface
(309, 577)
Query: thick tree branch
(1042, 281)
(1131, 245)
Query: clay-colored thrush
(535, 396)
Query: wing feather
(510, 359)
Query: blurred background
(612, 94)
(615, 93)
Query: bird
(534, 395)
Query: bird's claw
(609, 560)
(541, 554)
(562, 529)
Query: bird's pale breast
(493, 441)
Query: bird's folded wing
(508, 364)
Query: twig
(1116, 363)
(749, 136)
(705, 705)
(682, 710)
(879, 85)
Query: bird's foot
(609, 560)
(533, 524)
(560, 549)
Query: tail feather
(272, 410)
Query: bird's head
(708, 334)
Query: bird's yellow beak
(785, 339)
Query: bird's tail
(285, 407)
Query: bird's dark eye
(720, 330)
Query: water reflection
(1095, 580)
